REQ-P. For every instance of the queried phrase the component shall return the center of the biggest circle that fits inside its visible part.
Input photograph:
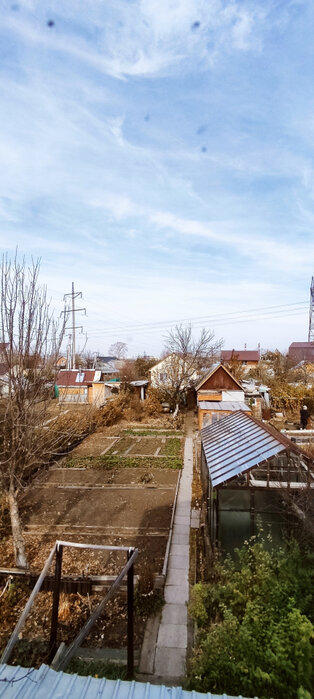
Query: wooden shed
(218, 395)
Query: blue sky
(159, 153)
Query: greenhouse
(253, 477)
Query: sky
(159, 154)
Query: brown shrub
(152, 404)
(113, 410)
(134, 411)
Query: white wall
(237, 396)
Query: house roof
(223, 405)
(238, 443)
(212, 372)
(161, 361)
(241, 355)
(302, 345)
(74, 377)
(30, 683)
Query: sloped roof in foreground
(237, 443)
(47, 684)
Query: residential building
(299, 351)
(172, 369)
(248, 358)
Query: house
(173, 369)
(248, 358)
(218, 394)
(299, 351)
(80, 386)
(61, 362)
(248, 472)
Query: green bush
(98, 668)
(254, 625)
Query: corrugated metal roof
(235, 444)
(47, 684)
(72, 378)
(140, 382)
(223, 405)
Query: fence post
(130, 587)
(55, 605)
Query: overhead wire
(207, 318)
(264, 313)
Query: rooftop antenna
(311, 318)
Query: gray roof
(235, 444)
(223, 405)
(44, 683)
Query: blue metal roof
(235, 444)
(44, 683)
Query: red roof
(241, 355)
(303, 345)
(74, 377)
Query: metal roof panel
(236, 444)
(46, 683)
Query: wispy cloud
(143, 38)
(151, 146)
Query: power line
(262, 313)
(74, 295)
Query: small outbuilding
(80, 386)
(252, 476)
(218, 395)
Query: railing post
(130, 587)
(55, 605)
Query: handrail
(132, 555)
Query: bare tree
(119, 350)
(185, 356)
(30, 341)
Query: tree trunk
(176, 411)
(18, 540)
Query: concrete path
(170, 656)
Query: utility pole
(311, 318)
(74, 295)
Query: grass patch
(172, 447)
(97, 668)
(114, 461)
(152, 433)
